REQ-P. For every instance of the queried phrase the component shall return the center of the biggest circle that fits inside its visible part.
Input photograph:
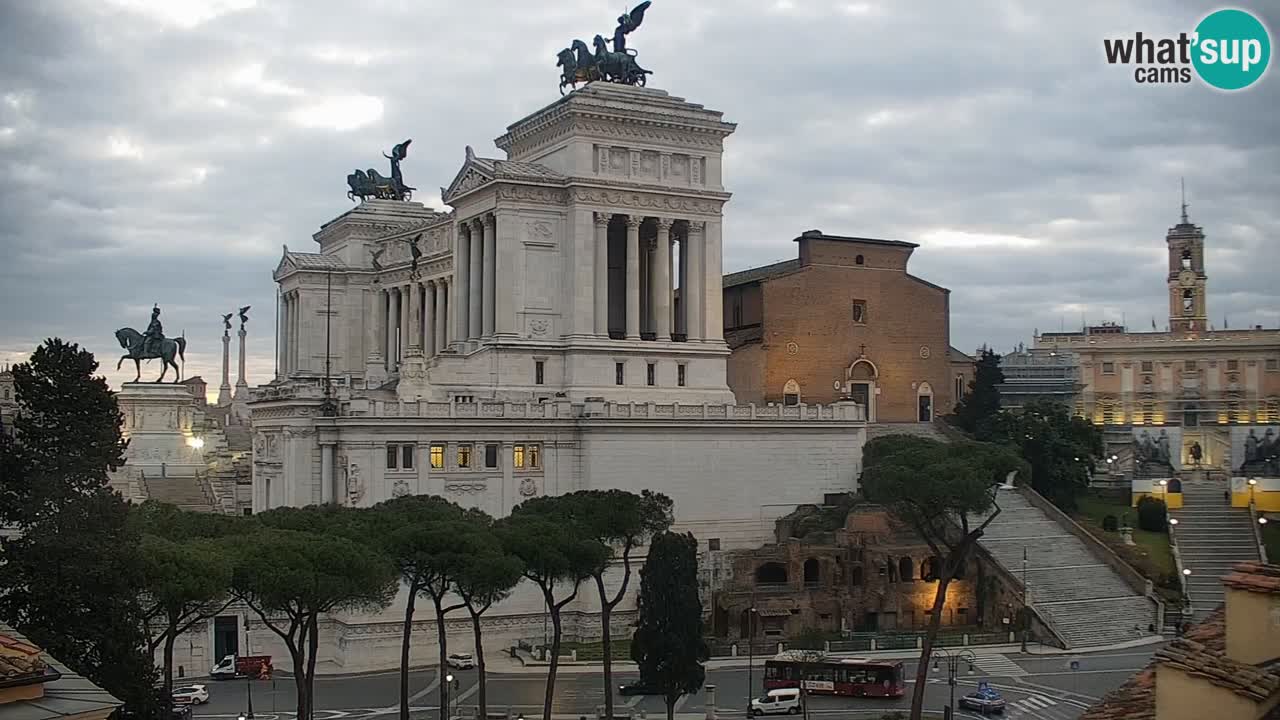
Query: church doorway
(862, 376)
(924, 403)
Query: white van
(785, 701)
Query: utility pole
(1026, 620)
(751, 651)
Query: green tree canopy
(668, 644)
(1060, 448)
(488, 577)
(982, 402)
(946, 492)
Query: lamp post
(953, 660)
(450, 684)
(751, 651)
(1026, 621)
(1163, 484)
(1253, 483)
(248, 681)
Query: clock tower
(1187, 311)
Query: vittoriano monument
(371, 184)
(150, 345)
(579, 65)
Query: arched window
(906, 569)
(890, 570)
(858, 260)
(771, 573)
(924, 402)
(791, 392)
(929, 569)
(1186, 259)
(1188, 301)
(811, 571)
(959, 388)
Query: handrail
(1257, 531)
(1177, 564)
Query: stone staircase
(187, 492)
(1212, 536)
(1083, 599)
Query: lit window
(393, 456)
(535, 456)
(1108, 368)
(650, 373)
(464, 456)
(617, 373)
(406, 457)
(860, 311)
(538, 367)
(680, 375)
(437, 456)
(491, 456)
(517, 457)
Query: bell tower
(1187, 309)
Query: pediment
(472, 175)
(285, 265)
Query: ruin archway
(811, 571)
(906, 569)
(771, 573)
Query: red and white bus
(853, 677)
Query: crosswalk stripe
(998, 664)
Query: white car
(784, 701)
(190, 695)
(460, 661)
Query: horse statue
(619, 67)
(366, 184)
(168, 349)
(579, 66)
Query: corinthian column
(633, 277)
(462, 281)
(414, 336)
(660, 283)
(695, 296)
(490, 274)
(393, 322)
(429, 320)
(601, 282)
(475, 300)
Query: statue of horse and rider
(578, 64)
(152, 345)
(366, 184)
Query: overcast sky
(164, 150)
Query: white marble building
(560, 330)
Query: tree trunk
(482, 699)
(404, 653)
(606, 645)
(444, 656)
(671, 706)
(926, 648)
(169, 638)
(313, 643)
(300, 677)
(555, 658)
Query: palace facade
(1213, 385)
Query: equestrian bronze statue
(152, 345)
(579, 65)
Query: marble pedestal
(159, 425)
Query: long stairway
(187, 492)
(1212, 536)
(1084, 600)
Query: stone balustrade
(599, 409)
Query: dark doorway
(860, 393)
(744, 624)
(811, 571)
(226, 637)
(905, 568)
(771, 574)
(926, 408)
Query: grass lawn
(1271, 538)
(1150, 554)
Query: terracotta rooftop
(1254, 577)
(19, 659)
(66, 694)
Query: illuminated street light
(1262, 521)
(195, 442)
(1186, 571)
(1173, 521)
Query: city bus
(852, 677)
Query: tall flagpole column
(694, 296)
(490, 274)
(660, 283)
(429, 320)
(475, 298)
(242, 385)
(224, 390)
(601, 281)
(633, 276)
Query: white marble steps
(187, 492)
(1212, 536)
(1082, 597)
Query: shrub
(1110, 523)
(1152, 514)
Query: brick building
(869, 574)
(843, 320)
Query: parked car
(987, 701)
(784, 701)
(639, 687)
(180, 712)
(190, 695)
(460, 661)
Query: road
(1044, 688)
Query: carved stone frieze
(532, 194)
(645, 201)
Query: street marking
(633, 701)
(680, 703)
(466, 694)
(999, 665)
(435, 683)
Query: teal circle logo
(1232, 49)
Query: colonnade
(652, 248)
(290, 333)
(410, 318)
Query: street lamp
(1173, 521)
(953, 660)
(1163, 484)
(1253, 483)
(450, 684)
(248, 679)
(1262, 521)
(751, 651)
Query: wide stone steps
(1212, 536)
(187, 493)
(1085, 601)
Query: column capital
(490, 220)
(477, 223)
(697, 227)
(633, 221)
(664, 223)
(602, 219)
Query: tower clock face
(1187, 278)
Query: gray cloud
(162, 151)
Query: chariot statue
(579, 64)
(151, 345)
(371, 184)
